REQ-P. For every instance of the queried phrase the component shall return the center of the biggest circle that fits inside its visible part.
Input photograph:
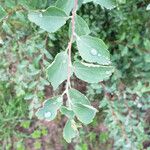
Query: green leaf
(78, 97)
(93, 50)
(36, 134)
(2, 13)
(81, 27)
(81, 106)
(87, 1)
(49, 109)
(148, 7)
(70, 131)
(85, 113)
(147, 44)
(92, 73)
(25, 124)
(109, 4)
(50, 20)
(80, 3)
(65, 5)
(57, 71)
(67, 112)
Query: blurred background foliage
(123, 121)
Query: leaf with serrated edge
(81, 27)
(67, 112)
(78, 100)
(70, 131)
(93, 50)
(148, 7)
(49, 110)
(92, 73)
(77, 97)
(50, 20)
(109, 4)
(65, 5)
(85, 113)
(57, 71)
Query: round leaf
(92, 73)
(81, 27)
(85, 113)
(57, 71)
(109, 4)
(70, 131)
(49, 109)
(93, 50)
(67, 112)
(65, 5)
(77, 97)
(50, 20)
(148, 7)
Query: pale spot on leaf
(93, 52)
(47, 114)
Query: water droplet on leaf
(93, 52)
(47, 114)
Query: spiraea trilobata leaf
(70, 130)
(84, 113)
(65, 5)
(50, 20)
(57, 71)
(49, 109)
(81, 106)
(78, 97)
(93, 50)
(92, 73)
(109, 4)
(81, 27)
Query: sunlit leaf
(70, 130)
(49, 110)
(57, 71)
(85, 113)
(50, 20)
(92, 73)
(93, 50)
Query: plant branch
(68, 84)
(71, 41)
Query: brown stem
(71, 41)
(68, 84)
